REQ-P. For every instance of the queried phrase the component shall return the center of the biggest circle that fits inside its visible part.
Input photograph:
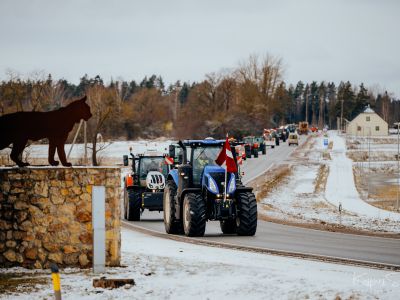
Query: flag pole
(226, 175)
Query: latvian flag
(225, 157)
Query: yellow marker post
(55, 275)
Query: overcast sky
(317, 40)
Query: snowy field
(298, 198)
(112, 152)
(165, 269)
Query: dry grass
(360, 156)
(326, 155)
(320, 205)
(385, 197)
(14, 282)
(266, 183)
(321, 179)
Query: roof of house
(368, 109)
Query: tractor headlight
(212, 185)
(232, 184)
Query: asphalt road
(254, 167)
(289, 238)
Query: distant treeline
(241, 101)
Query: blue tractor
(195, 192)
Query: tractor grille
(156, 179)
(219, 178)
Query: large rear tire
(228, 226)
(246, 221)
(194, 215)
(133, 207)
(172, 225)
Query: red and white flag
(169, 160)
(225, 157)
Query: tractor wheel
(246, 221)
(194, 215)
(133, 205)
(172, 225)
(228, 226)
(255, 152)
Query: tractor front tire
(133, 205)
(228, 226)
(246, 220)
(264, 150)
(194, 215)
(172, 225)
(255, 152)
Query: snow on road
(340, 187)
(165, 269)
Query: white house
(367, 123)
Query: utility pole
(369, 158)
(398, 165)
(307, 95)
(341, 114)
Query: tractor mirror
(171, 151)
(180, 158)
(126, 160)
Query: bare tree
(104, 105)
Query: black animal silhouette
(19, 127)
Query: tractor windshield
(203, 156)
(148, 164)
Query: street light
(398, 164)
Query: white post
(99, 228)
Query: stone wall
(46, 213)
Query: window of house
(376, 128)
(368, 118)
(358, 128)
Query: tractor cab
(144, 184)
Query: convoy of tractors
(191, 188)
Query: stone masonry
(46, 216)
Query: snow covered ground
(165, 269)
(340, 188)
(298, 198)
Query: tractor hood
(213, 169)
(214, 178)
